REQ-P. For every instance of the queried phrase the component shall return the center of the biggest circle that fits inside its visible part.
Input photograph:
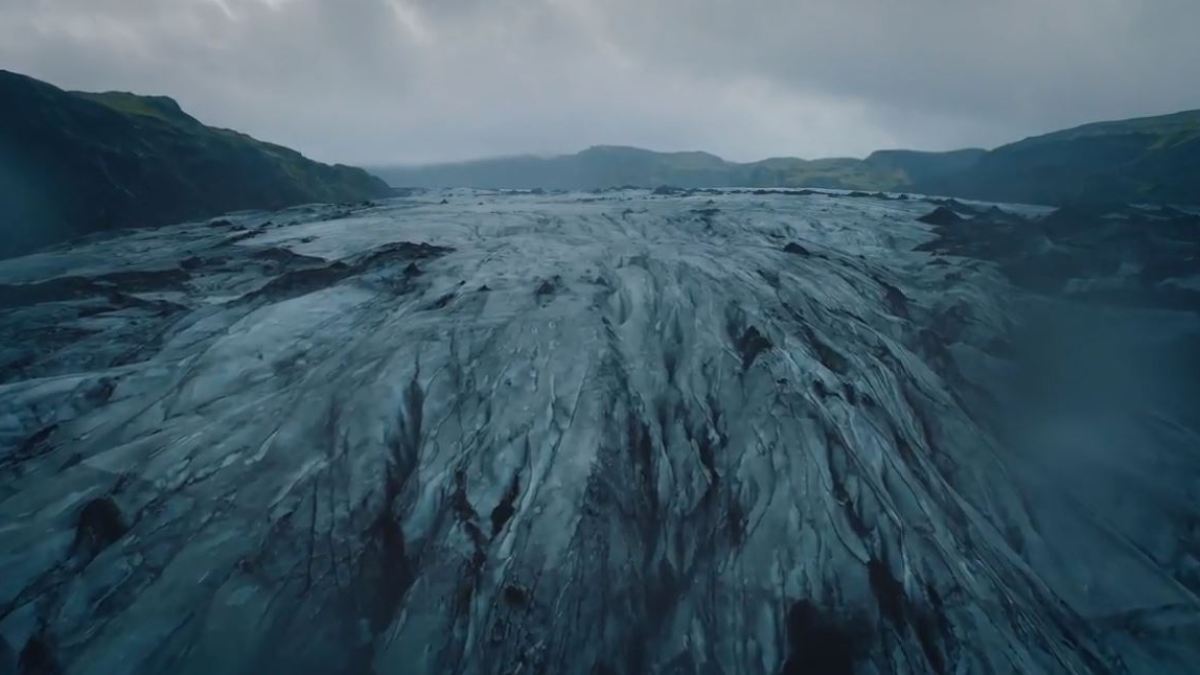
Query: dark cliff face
(922, 168)
(619, 433)
(75, 163)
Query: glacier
(716, 431)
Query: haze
(404, 81)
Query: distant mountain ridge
(613, 166)
(1148, 159)
(73, 163)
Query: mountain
(613, 166)
(75, 163)
(1149, 159)
(918, 167)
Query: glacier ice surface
(715, 432)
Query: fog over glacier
(614, 432)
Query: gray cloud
(374, 81)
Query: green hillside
(1148, 159)
(73, 163)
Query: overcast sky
(383, 81)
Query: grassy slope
(72, 163)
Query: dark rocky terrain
(76, 163)
(624, 432)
